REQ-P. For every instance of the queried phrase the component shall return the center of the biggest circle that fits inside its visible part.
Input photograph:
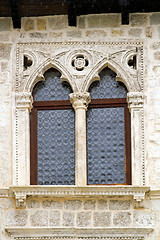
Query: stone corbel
(139, 200)
(135, 100)
(20, 200)
(80, 100)
(24, 100)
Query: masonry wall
(102, 212)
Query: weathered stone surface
(139, 20)
(55, 218)
(116, 33)
(5, 50)
(39, 218)
(41, 24)
(156, 205)
(102, 204)
(83, 219)
(102, 21)
(4, 66)
(5, 24)
(52, 204)
(68, 219)
(158, 32)
(17, 218)
(6, 203)
(38, 35)
(122, 219)
(33, 204)
(156, 45)
(29, 25)
(55, 34)
(119, 205)
(58, 22)
(3, 37)
(135, 32)
(96, 33)
(102, 219)
(72, 205)
(81, 22)
(90, 204)
(74, 33)
(157, 55)
(155, 19)
(149, 32)
(144, 219)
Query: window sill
(22, 192)
(65, 233)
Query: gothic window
(52, 133)
(108, 132)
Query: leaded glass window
(108, 132)
(52, 133)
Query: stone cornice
(21, 192)
(85, 233)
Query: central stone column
(80, 103)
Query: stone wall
(95, 212)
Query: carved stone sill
(85, 233)
(21, 192)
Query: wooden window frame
(118, 102)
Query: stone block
(155, 19)
(103, 21)
(72, 204)
(33, 204)
(6, 203)
(96, 33)
(41, 24)
(5, 24)
(144, 219)
(68, 219)
(156, 45)
(119, 205)
(29, 25)
(52, 204)
(122, 219)
(3, 37)
(102, 219)
(83, 219)
(135, 32)
(39, 218)
(89, 204)
(5, 50)
(54, 218)
(4, 66)
(81, 22)
(149, 32)
(156, 204)
(17, 218)
(38, 35)
(58, 22)
(73, 33)
(116, 33)
(139, 20)
(102, 204)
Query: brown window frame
(118, 102)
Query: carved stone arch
(37, 75)
(122, 75)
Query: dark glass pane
(106, 145)
(107, 87)
(56, 144)
(52, 88)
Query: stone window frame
(60, 55)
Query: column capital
(24, 100)
(80, 100)
(135, 99)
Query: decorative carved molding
(78, 233)
(20, 193)
(139, 200)
(135, 100)
(24, 100)
(80, 100)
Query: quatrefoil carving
(79, 62)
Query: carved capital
(135, 100)
(80, 100)
(24, 100)
(20, 200)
